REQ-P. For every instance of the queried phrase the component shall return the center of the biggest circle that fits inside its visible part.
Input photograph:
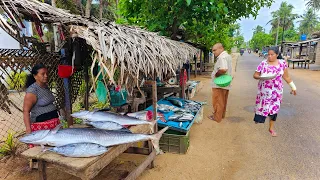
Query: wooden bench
(88, 168)
(305, 61)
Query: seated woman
(39, 112)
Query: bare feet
(211, 117)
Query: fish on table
(113, 117)
(106, 125)
(61, 137)
(79, 150)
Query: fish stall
(88, 167)
(85, 150)
(179, 115)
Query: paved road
(239, 149)
(295, 153)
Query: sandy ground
(236, 148)
(14, 121)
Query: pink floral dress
(269, 96)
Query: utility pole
(278, 31)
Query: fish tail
(155, 138)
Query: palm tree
(315, 4)
(258, 29)
(284, 15)
(308, 22)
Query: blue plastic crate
(173, 125)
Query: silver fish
(179, 117)
(79, 150)
(106, 125)
(113, 117)
(175, 102)
(143, 115)
(62, 137)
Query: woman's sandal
(273, 133)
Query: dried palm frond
(131, 49)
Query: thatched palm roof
(132, 49)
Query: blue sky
(264, 16)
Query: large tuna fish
(113, 117)
(80, 150)
(105, 138)
(106, 125)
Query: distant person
(220, 94)
(270, 89)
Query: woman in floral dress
(270, 89)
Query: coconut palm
(284, 15)
(308, 22)
(258, 29)
(314, 4)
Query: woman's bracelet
(293, 86)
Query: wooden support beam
(42, 170)
(183, 86)
(133, 175)
(86, 79)
(154, 114)
(196, 66)
(201, 64)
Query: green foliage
(99, 105)
(309, 22)
(258, 29)
(10, 145)
(68, 5)
(313, 4)
(260, 40)
(202, 22)
(17, 80)
(284, 15)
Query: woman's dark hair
(34, 71)
(275, 49)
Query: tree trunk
(103, 5)
(206, 55)
(174, 29)
(101, 9)
(88, 8)
(79, 4)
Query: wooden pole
(196, 66)
(154, 97)
(300, 51)
(200, 62)
(154, 114)
(42, 170)
(86, 78)
(183, 86)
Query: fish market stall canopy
(132, 49)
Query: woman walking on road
(270, 87)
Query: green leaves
(204, 22)
(188, 2)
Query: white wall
(7, 42)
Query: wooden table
(88, 168)
(305, 61)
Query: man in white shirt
(220, 94)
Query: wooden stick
(134, 174)
(42, 170)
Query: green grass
(10, 145)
